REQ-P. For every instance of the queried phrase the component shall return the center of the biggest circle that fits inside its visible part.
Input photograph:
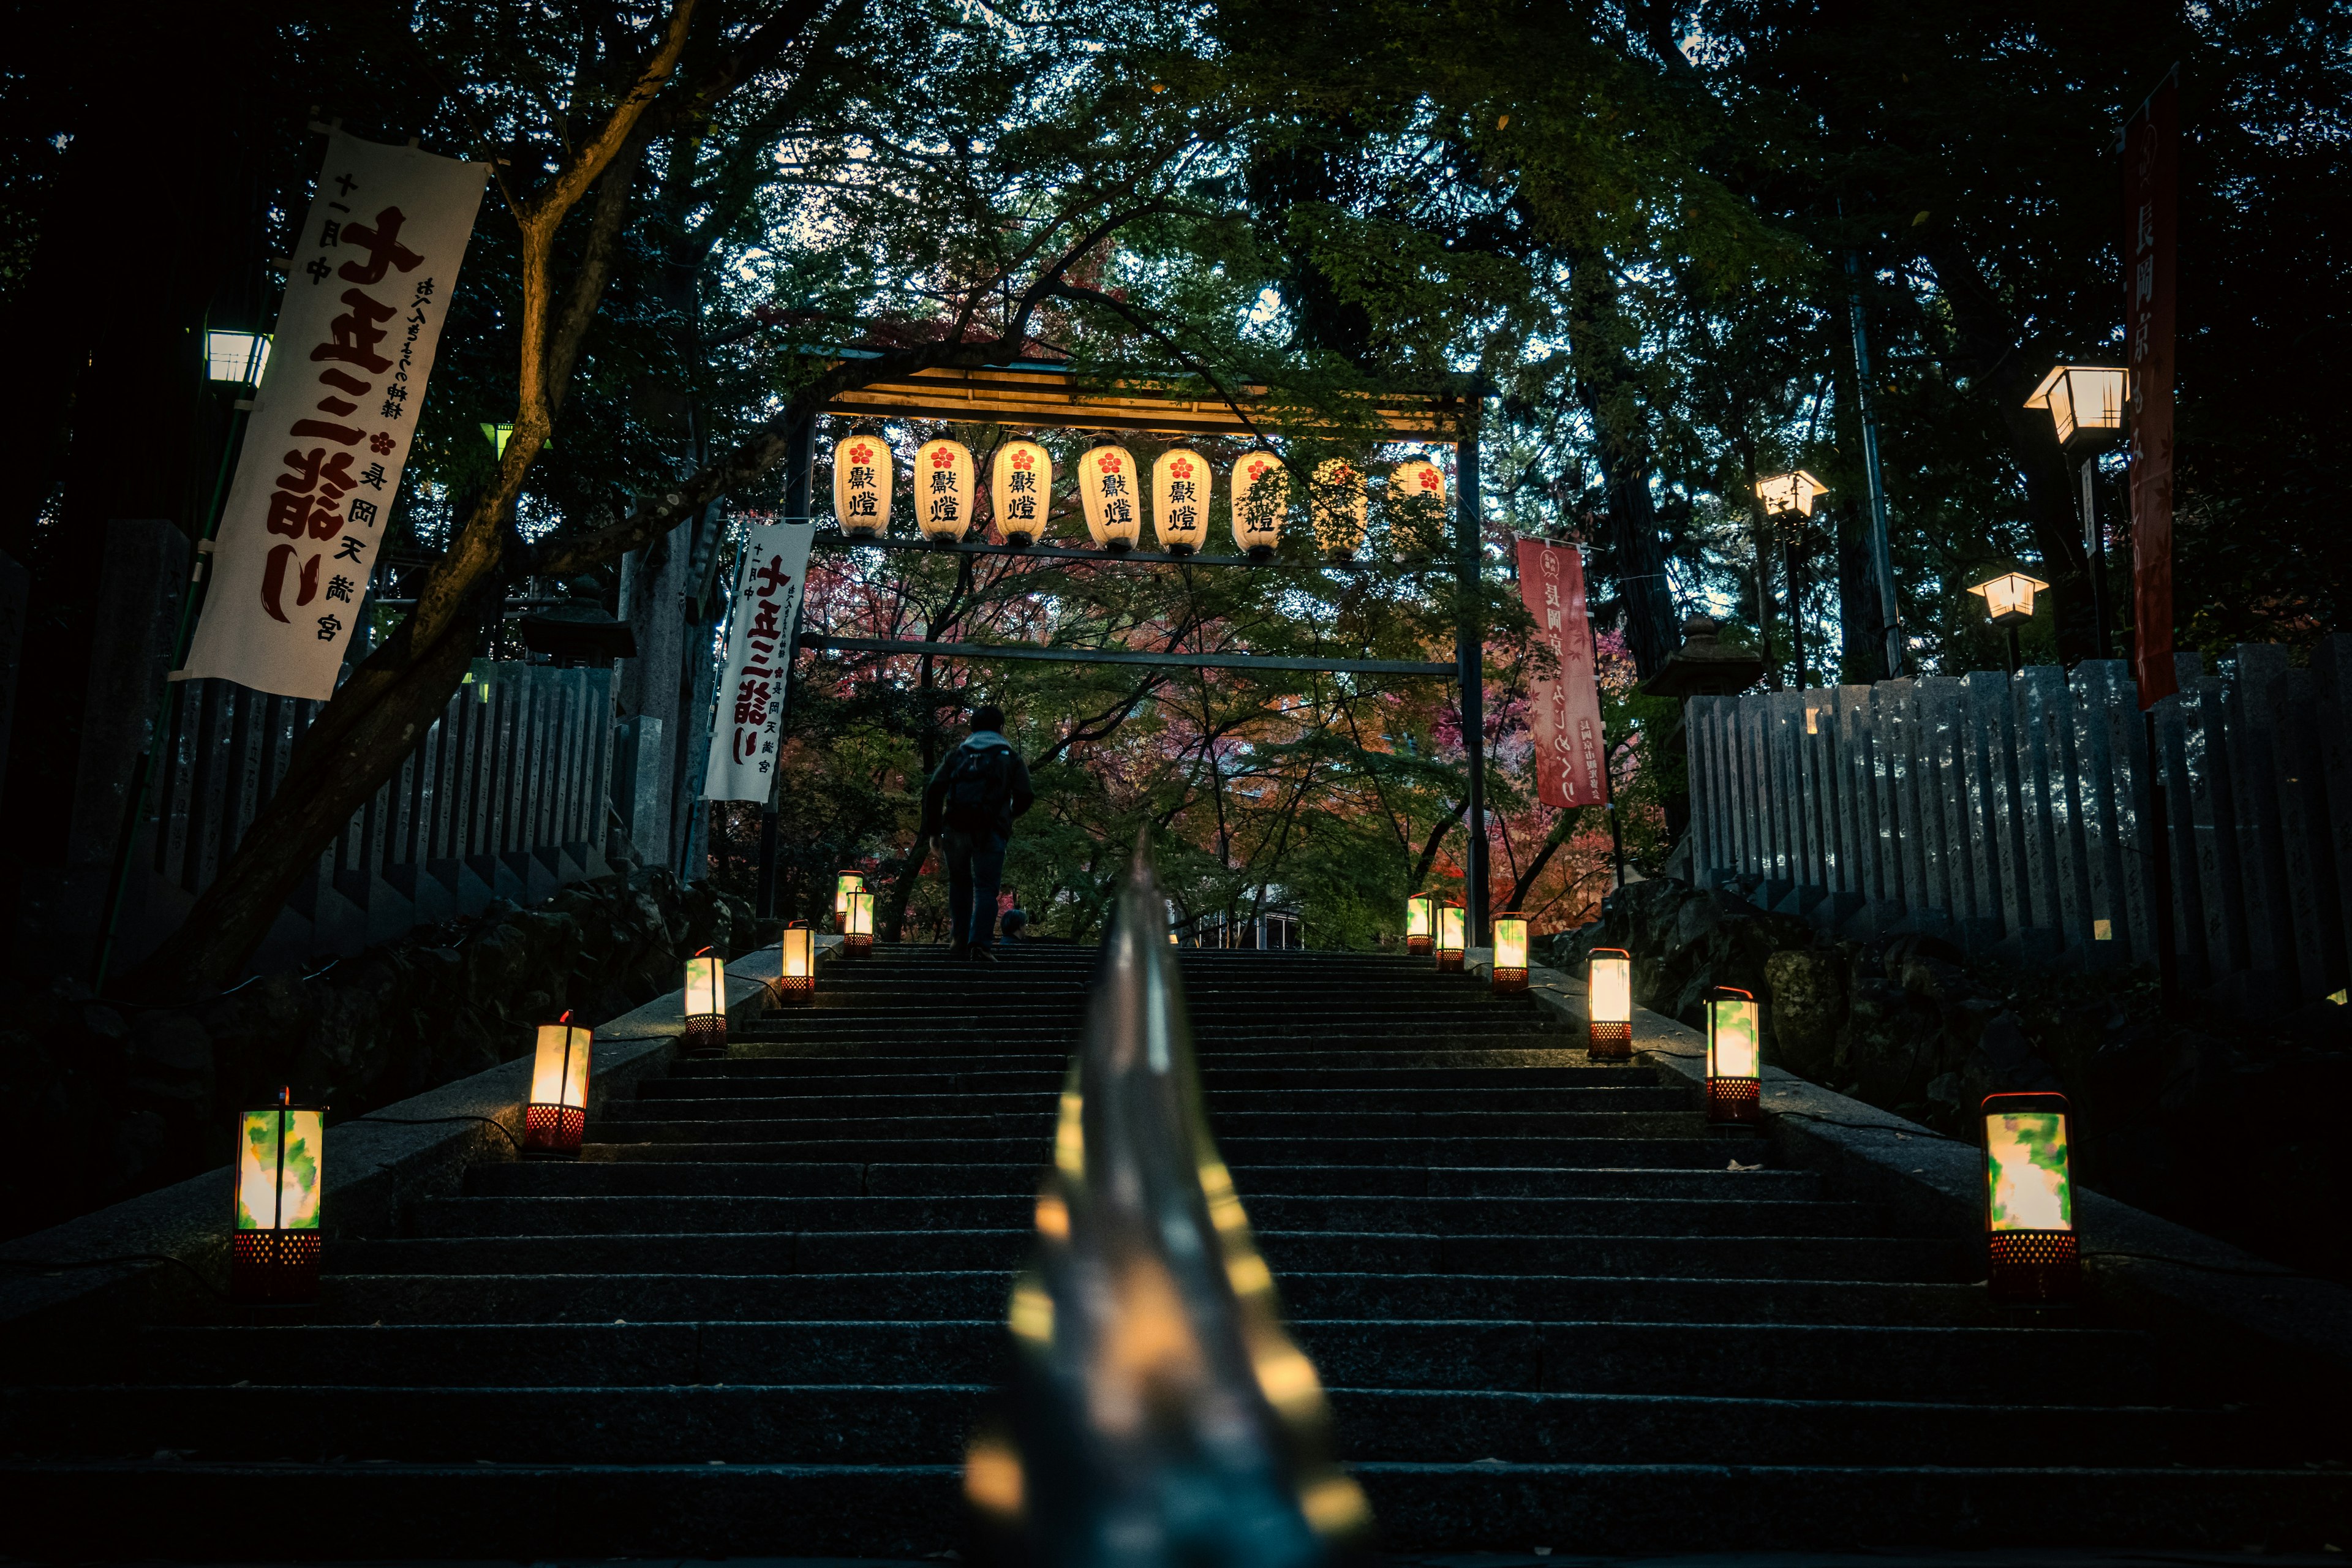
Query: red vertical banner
(1572, 762)
(2151, 216)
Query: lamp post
(1609, 1006)
(2086, 405)
(2009, 600)
(280, 1173)
(1789, 501)
(2029, 1201)
(556, 1115)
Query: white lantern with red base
(857, 930)
(2030, 1202)
(706, 1006)
(280, 1173)
(1510, 954)
(1609, 1006)
(795, 965)
(1419, 934)
(1735, 1058)
(1450, 940)
(557, 1112)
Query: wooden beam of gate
(1449, 670)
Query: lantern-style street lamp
(858, 934)
(1261, 487)
(2009, 600)
(1022, 489)
(1179, 499)
(1735, 1058)
(706, 1006)
(844, 884)
(280, 1173)
(1450, 939)
(1339, 508)
(1112, 499)
(557, 1112)
(238, 359)
(2029, 1201)
(1609, 1006)
(1788, 499)
(862, 467)
(1418, 934)
(1791, 494)
(1510, 954)
(943, 486)
(796, 965)
(2086, 404)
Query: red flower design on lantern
(1108, 462)
(861, 453)
(1182, 468)
(1429, 478)
(1025, 459)
(944, 457)
(1257, 471)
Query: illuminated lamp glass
(1418, 935)
(280, 1160)
(846, 883)
(237, 358)
(857, 939)
(1340, 507)
(2009, 598)
(1450, 941)
(2086, 402)
(1417, 506)
(498, 435)
(943, 490)
(862, 468)
(1261, 491)
(1735, 1057)
(1510, 954)
(1180, 501)
(1609, 1004)
(1112, 499)
(1783, 494)
(706, 1006)
(557, 1113)
(1021, 487)
(2029, 1201)
(796, 964)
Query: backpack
(980, 785)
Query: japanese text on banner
(1572, 760)
(330, 427)
(744, 734)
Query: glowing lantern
(1510, 954)
(1417, 503)
(2029, 1200)
(2086, 402)
(1113, 501)
(943, 484)
(1449, 938)
(1261, 494)
(857, 939)
(280, 1154)
(1179, 499)
(557, 1113)
(1340, 508)
(2009, 598)
(1022, 487)
(237, 358)
(1609, 1006)
(1417, 934)
(1784, 493)
(795, 964)
(846, 883)
(1735, 1057)
(706, 1006)
(861, 486)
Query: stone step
(1684, 1153)
(1238, 1125)
(1056, 1058)
(1222, 1103)
(693, 1078)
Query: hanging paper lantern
(943, 486)
(1609, 1006)
(556, 1115)
(1418, 934)
(1510, 954)
(861, 485)
(280, 1155)
(705, 1006)
(1022, 487)
(1449, 938)
(1735, 1057)
(2029, 1200)
(857, 930)
(796, 964)
(1261, 494)
(1417, 506)
(1340, 508)
(1179, 499)
(1113, 500)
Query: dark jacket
(935, 794)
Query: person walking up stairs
(969, 805)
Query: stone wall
(101, 1101)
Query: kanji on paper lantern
(943, 490)
(1179, 499)
(862, 467)
(1339, 508)
(1113, 500)
(1261, 494)
(1022, 487)
(1417, 506)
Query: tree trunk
(1552, 841)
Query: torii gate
(1029, 394)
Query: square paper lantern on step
(2029, 1201)
(1735, 1058)
(1450, 939)
(280, 1173)
(1510, 954)
(795, 964)
(858, 939)
(706, 1006)
(1609, 1006)
(846, 883)
(557, 1112)
(1418, 936)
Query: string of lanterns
(1111, 488)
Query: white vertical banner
(373, 271)
(768, 585)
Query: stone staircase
(760, 1315)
